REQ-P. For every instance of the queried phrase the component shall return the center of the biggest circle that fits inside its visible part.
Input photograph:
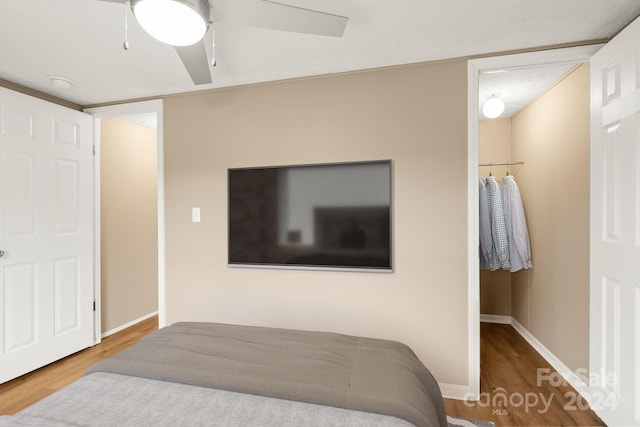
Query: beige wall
(416, 116)
(128, 199)
(552, 299)
(495, 146)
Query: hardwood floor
(17, 394)
(508, 368)
(509, 371)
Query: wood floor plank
(24, 391)
(511, 393)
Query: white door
(46, 233)
(615, 229)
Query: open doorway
(128, 221)
(507, 297)
(129, 214)
(516, 144)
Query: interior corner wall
(415, 115)
(494, 147)
(552, 300)
(128, 213)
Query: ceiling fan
(194, 42)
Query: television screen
(334, 215)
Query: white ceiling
(148, 120)
(517, 87)
(82, 40)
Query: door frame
(475, 68)
(152, 106)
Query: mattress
(216, 374)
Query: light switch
(195, 214)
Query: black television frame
(385, 269)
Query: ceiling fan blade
(278, 16)
(197, 59)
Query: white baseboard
(455, 391)
(465, 392)
(569, 376)
(494, 318)
(565, 372)
(126, 325)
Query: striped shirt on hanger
(516, 226)
(486, 258)
(500, 245)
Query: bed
(209, 374)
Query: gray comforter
(111, 400)
(322, 368)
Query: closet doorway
(544, 144)
(129, 210)
(540, 144)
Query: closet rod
(501, 163)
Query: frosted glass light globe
(174, 22)
(493, 108)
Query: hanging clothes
(516, 226)
(485, 229)
(500, 243)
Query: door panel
(65, 190)
(17, 121)
(67, 290)
(18, 174)
(46, 231)
(615, 229)
(611, 184)
(65, 133)
(20, 306)
(611, 334)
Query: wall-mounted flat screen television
(325, 216)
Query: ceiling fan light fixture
(493, 107)
(174, 22)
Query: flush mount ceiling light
(493, 107)
(60, 82)
(174, 22)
